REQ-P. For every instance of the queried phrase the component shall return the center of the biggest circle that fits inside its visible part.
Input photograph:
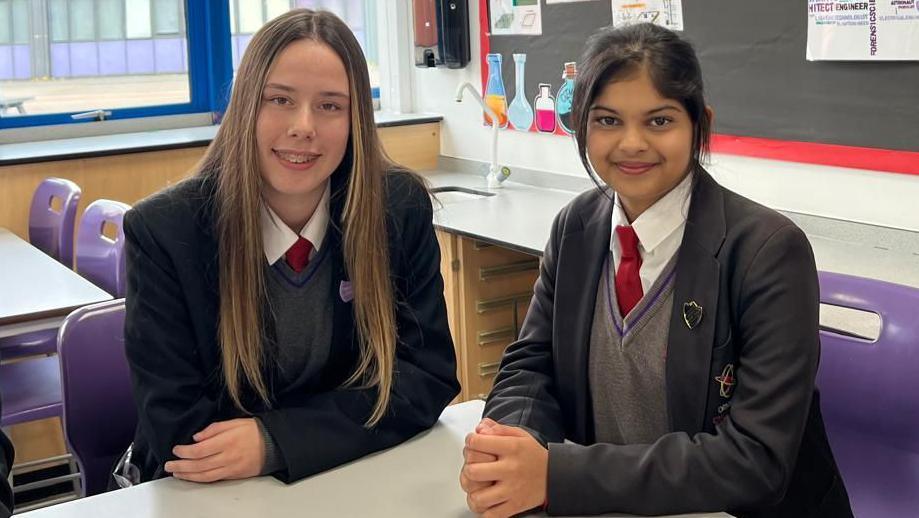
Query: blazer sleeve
(748, 461)
(166, 372)
(6, 461)
(328, 429)
(524, 392)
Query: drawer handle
(482, 306)
(496, 335)
(481, 245)
(489, 369)
(508, 269)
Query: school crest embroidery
(726, 380)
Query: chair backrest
(51, 218)
(100, 258)
(870, 395)
(99, 412)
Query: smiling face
(303, 126)
(638, 142)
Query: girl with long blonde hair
(285, 308)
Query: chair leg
(78, 481)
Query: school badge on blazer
(692, 314)
(345, 291)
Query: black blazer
(761, 451)
(6, 462)
(172, 348)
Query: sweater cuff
(273, 459)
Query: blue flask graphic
(520, 112)
(564, 97)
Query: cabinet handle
(481, 245)
(491, 272)
(496, 335)
(488, 369)
(482, 306)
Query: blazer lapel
(690, 347)
(581, 257)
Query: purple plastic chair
(870, 396)
(99, 411)
(31, 390)
(51, 231)
(99, 258)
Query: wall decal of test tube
(545, 109)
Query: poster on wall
(515, 17)
(666, 13)
(863, 30)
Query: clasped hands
(505, 470)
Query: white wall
(876, 198)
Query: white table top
(35, 286)
(417, 479)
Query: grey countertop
(123, 143)
(519, 216)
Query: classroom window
(20, 22)
(97, 55)
(138, 58)
(110, 19)
(138, 25)
(82, 20)
(168, 16)
(6, 22)
(248, 16)
(57, 19)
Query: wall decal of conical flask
(495, 96)
(520, 112)
(564, 97)
(545, 109)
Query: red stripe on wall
(484, 42)
(873, 159)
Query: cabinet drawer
(495, 288)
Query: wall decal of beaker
(520, 112)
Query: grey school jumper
(628, 360)
(299, 306)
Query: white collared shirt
(660, 231)
(277, 237)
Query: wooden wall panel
(131, 177)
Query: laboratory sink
(448, 195)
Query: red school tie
(298, 255)
(628, 282)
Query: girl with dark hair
(285, 309)
(667, 361)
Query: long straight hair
(671, 63)
(232, 162)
